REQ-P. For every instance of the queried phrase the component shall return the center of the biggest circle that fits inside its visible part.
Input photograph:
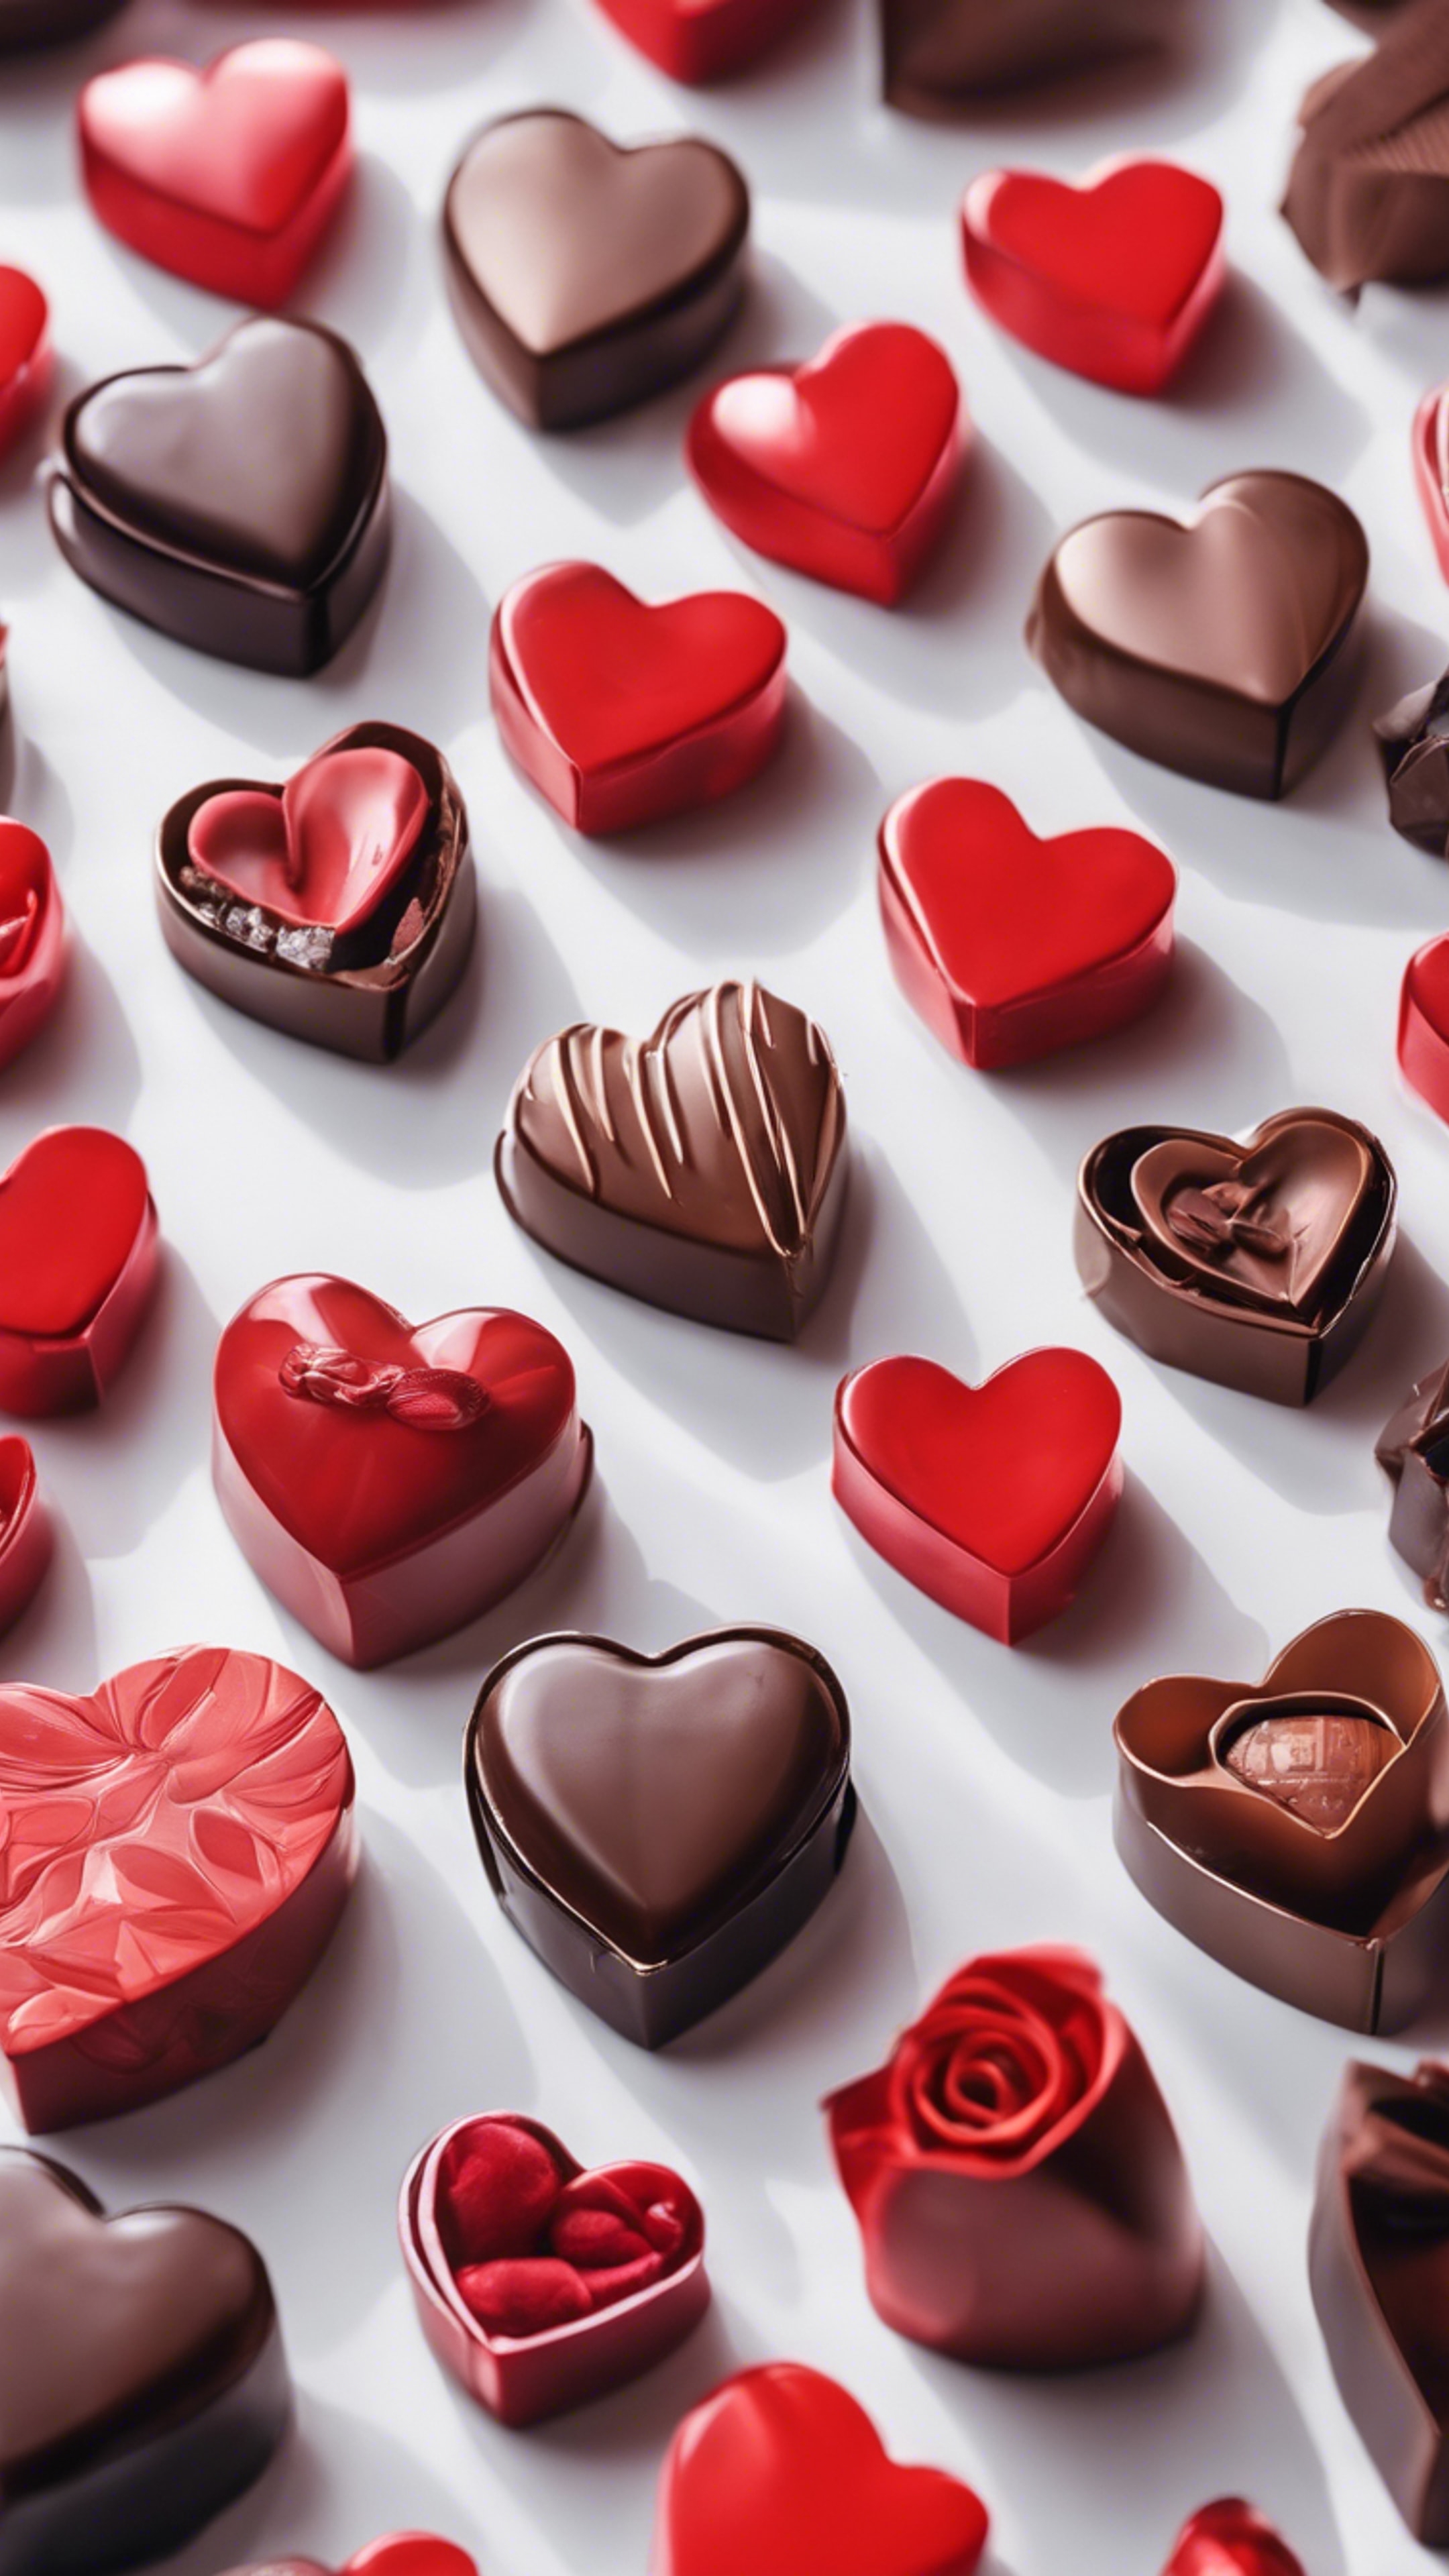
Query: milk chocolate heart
(401, 2553)
(25, 1540)
(240, 505)
(586, 277)
(1008, 946)
(228, 176)
(621, 712)
(26, 359)
(32, 937)
(781, 2472)
(1299, 1829)
(704, 1170)
(1255, 1264)
(845, 468)
(659, 1826)
(1205, 645)
(1378, 2266)
(78, 1260)
(340, 907)
(177, 1849)
(389, 1481)
(1230, 2538)
(142, 2379)
(539, 2285)
(1368, 193)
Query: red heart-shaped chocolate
(25, 353)
(844, 468)
(175, 1849)
(77, 1265)
(994, 1498)
(703, 40)
(1009, 946)
(328, 849)
(1112, 278)
(1424, 1024)
(1230, 2538)
(228, 176)
(780, 2472)
(620, 712)
(32, 936)
(390, 1481)
(402, 2553)
(24, 1530)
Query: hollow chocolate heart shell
(25, 1536)
(27, 24)
(994, 1499)
(1008, 946)
(240, 505)
(1230, 2538)
(1413, 1449)
(390, 1481)
(78, 1263)
(143, 2383)
(265, 937)
(32, 937)
(1298, 1828)
(658, 1827)
(1378, 2261)
(781, 2472)
(401, 2553)
(522, 2377)
(704, 1170)
(586, 277)
(1256, 1264)
(179, 1847)
(845, 468)
(228, 176)
(1206, 645)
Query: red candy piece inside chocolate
(328, 849)
(533, 2250)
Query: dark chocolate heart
(586, 277)
(704, 1169)
(27, 23)
(940, 54)
(1263, 1226)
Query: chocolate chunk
(1204, 645)
(658, 1827)
(704, 1170)
(1414, 741)
(142, 2379)
(27, 24)
(1413, 1449)
(241, 505)
(584, 277)
(1368, 193)
(941, 54)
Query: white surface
(985, 1775)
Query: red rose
(1017, 2179)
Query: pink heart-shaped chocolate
(327, 850)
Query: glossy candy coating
(78, 1260)
(32, 937)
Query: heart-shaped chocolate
(940, 55)
(1413, 1448)
(340, 907)
(585, 277)
(1231, 2538)
(1255, 1264)
(390, 1481)
(32, 937)
(25, 1539)
(1299, 1829)
(704, 1170)
(1368, 193)
(142, 2379)
(78, 1258)
(240, 505)
(539, 2285)
(659, 1826)
(1205, 645)
(26, 357)
(781, 2472)
(1378, 2266)
(401, 2553)
(177, 1849)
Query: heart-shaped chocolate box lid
(142, 2379)
(1378, 2266)
(660, 1826)
(367, 992)
(1255, 1264)
(942, 54)
(1299, 1828)
(586, 277)
(1413, 1449)
(240, 505)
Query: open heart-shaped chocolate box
(1298, 1828)
(1256, 1264)
(540, 2285)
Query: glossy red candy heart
(390, 1481)
(620, 712)
(703, 40)
(1424, 1025)
(1010, 947)
(402, 2553)
(24, 1529)
(177, 1849)
(78, 1251)
(32, 937)
(328, 849)
(844, 468)
(229, 176)
(993, 1498)
(781, 2473)
(1431, 468)
(1113, 278)
(1230, 2539)
(26, 361)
